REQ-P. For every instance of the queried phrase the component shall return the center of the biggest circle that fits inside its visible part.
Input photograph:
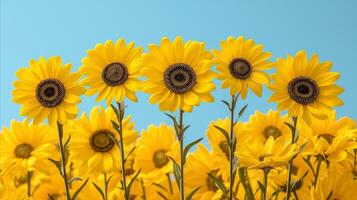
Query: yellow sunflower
(112, 71)
(274, 153)
(199, 164)
(178, 74)
(240, 64)
(263, 126)
(92, 146)
(53, 186)
(330, 138)
(305, 87)
(47, 89)
(153, 149)
(25, 147)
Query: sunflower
(240, 64)
(53, 187)
(274, 153)
(263, 126)
(336, 185)
(330, 138)
(153, 149)
(178, 74)
(47, 89)
(92, 146)
(305, 87)
(112, 71)
(25, 147)
(199, 165)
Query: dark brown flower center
(328, 137)
(240, 68)
(115, 74)
(211, 183)
(179, 78)
(50, 92)
(160, 159)
(224, 147)
(303, 90)
(102, 141)
(23, 151)
(271, 131)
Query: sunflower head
(92, 144)
(305, 87)
(178, 74)
(25, 147)
(112, 71)
(47, 89)
(240, 64)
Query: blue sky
(30, 29)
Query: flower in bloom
(305, 87)
(92, 145)
(240, 64)
(112, 71)
(178, 74)
(47, 89)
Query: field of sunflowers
(299, 151)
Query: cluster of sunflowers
(304, 154)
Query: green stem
(182, 159)
(231, 153)
(143, 189)
(290, 165)
(121, 145)
(355, 163)
(319, 161)
(28, 184)
(105, 187)
(264, 192)
(63, 159)
(169, 180)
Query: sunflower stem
(231, 143)
(105, 187)
(319, 161)
(143, 189)
(355, 163)
(265, 184)
(290, 165)
(63, 160)
(28, 183)
(169, 180)
(121, 145)
(182, 194)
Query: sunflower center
(328, 137)
(271, 131)
(160, 159)
(115, 74)
(224, 147)
(211, 183)
(50, 92)
(240, 68)
(303, 90)
(101, 141)
(179, 78)
(23, 151)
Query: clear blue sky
(34, 28)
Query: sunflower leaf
(177, 172)
(99, 190)
(74, 179)
(227, 104)
(79, 189)
(261, 186)
(162, 195)
(57, 164)
(116, 126)
(115, 110)
(224, 132)
(176, 125)
(189, 146)
(243, 176)
(50, 197)
(127, 157)
(160, 186)
(127, 192)
(189, 196)
(219, 183)
(241, 112)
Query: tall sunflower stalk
(63, 159)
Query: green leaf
(57, 164)
(219, 183)
(67, 142)
(160, 186)
(108, 180)
(127, 192)
(51, 198)
(115, 110)
(131, 151)
(162, 195)
(74, 179)
(189, 146)
(224, 132)
(241, 112)
(329, 195)
(116, 126)
(99, 190)
(227, 104)
(176, 125)
(261, 186)
(177, 172)
(79, 189)
(243, 176)
(189, 196)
